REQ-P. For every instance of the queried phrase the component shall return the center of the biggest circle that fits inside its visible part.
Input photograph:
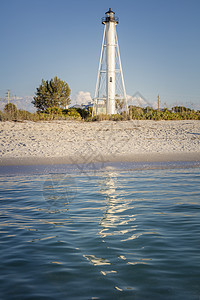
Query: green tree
(53, 93)
(10, 108)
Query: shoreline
(142, 158)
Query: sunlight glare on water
(112, 234)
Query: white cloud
(23, 103)
(138, 100)
(82, 98)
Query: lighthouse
(110, 91)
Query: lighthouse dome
(110, 17)
(109, 11)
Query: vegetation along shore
(52, 100)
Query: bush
(10, 108)
(54, 110)
(100, 117)
(73, 113)
(1, 116)
(55, 113)
(23, 115)
(10, 111)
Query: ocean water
(105, 232)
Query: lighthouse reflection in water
(113, 234)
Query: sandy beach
(26, 143)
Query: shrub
(54, 110)
(73, 113)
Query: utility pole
(158, 102)
(8, 95)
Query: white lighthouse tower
(110, 89)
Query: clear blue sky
(159, 44)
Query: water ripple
(113, 235)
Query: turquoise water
(108, 233)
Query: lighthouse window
(110, 79)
